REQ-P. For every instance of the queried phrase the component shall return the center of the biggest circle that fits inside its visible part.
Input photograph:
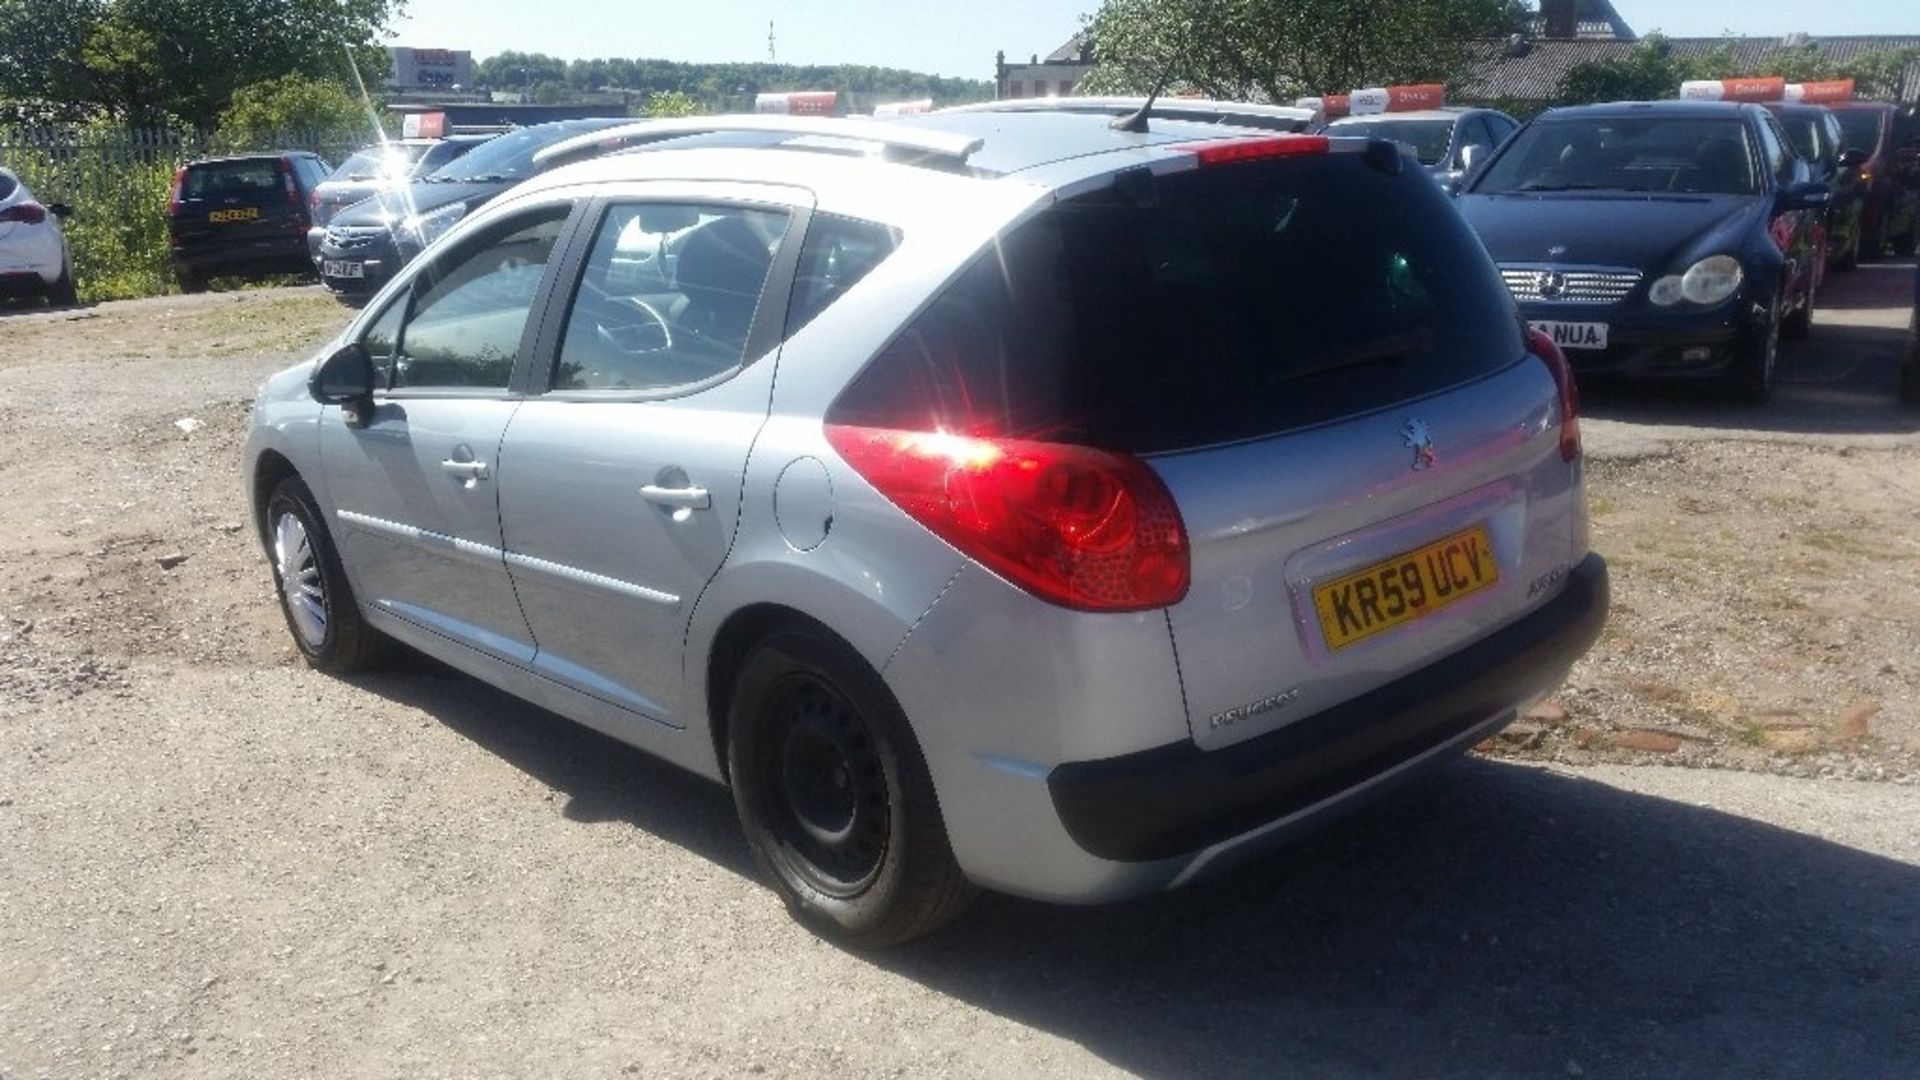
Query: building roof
(1533, 70)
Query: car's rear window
(7, 184)
(1429, 138)
(1212, 306)
(217, 178)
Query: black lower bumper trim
(1177, 799)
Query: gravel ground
(218, 863)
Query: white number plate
(343, 268)
(1574, 335)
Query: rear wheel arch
(738, 634)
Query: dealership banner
(1756, 88)
(1376, 99)
(799, 103)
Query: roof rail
(881, 133)
(1199, 110)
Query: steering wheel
(631, 325)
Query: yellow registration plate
(1405, 587)
(243, 213)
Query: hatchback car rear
(1022, 504)
(244, 216)
(34, 261)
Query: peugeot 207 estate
(1004, 500)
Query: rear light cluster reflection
(173, 197)
(1542, 346)
(26, 213)
(1079, 527)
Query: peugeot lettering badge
(1416, 435)
(1549, 284)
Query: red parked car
(1891, 215)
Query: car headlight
(424, 229)
(1706, 282)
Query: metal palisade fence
(117, 180)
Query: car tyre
(1910, 377)
(834, 794)
(1751, 380)
(62, 293)
(1903, 244)
(189, 281)
(1797, 326)
(318, 603)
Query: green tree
(262, 114)
(665, 104)
(1281, 49)
(143, 61)
(1648, 72)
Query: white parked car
(34, 260)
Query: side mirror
(1806, 195)
(60, 210)
(346, 379)
(1473, 154)
(1852, 158)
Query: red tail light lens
(1542, 346)
(179, 185)
(1229, 151)
(1083, 528)
(26, 213)
(293, 186)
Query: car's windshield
(1862, 127)
(1428, 138)
(510, 156)
(1653, 154)
(389, 162)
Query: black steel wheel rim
(823, 789)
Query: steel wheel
(828, 799)
(303, 588)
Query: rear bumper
(260, 253)
(1175, 801)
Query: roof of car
(264, 155)
(1617, 109)
(1445, 112)
(1792, 108)
(1202, 110)
(1015, 141)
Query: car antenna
(1136, 121)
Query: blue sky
(958, 38)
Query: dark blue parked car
(1671, 239)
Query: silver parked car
(999, 500)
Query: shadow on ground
(1496, 920)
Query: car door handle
(681, 498)
(470, 470)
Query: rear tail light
(26, 213)
(1229, 151)
(1079, 527)
(293, 186)
(179, 185)
(1542, 346)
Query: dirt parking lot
(214, 862)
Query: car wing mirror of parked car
(1852, 158)
(60, 210)
(1806, 195)
(346, 379)
(1471, 155)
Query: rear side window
(239, 178)
(838, 252)
(7, 184)
(1217, 305)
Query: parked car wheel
(189, 281)
(1903, 244)
(835, 797)
(1751, 379)
(1796, 326)
(314, 595)
(1850, 258)
(62, 292)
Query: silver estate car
(1019, 500)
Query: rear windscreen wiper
(1390, 349)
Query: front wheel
(314, 595)
(835, 797)
(1751, 378)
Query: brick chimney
(1561, 22)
